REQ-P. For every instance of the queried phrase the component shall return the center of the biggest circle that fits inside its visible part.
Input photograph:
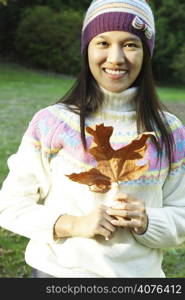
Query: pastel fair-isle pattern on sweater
(54, 128)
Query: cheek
(137, 61)
(95, 63)
(95, 57)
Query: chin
(116, 90)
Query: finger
(109, 218)
(117, 212)
(134, 206)
(133, 203)
(108, 225)
(129, 205)
(129, 199)
(104, 232)
(118, 205)
(125, 212)
(133, 223)
(125, 197)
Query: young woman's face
(115, 59)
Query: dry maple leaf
(113, 165)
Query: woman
(78, 231)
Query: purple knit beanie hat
(134, 16)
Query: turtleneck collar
(120, 102)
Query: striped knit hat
(134, 16)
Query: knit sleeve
(167, 223)
(28, 184)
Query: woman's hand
(130, 213)
(98, 222)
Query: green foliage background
(50, 39)
(46, 34)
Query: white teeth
(116, 72)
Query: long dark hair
(86, 97)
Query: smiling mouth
(115, 72)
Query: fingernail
(114, 222)
(108, 211)
(122, 196)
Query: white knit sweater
(37, 191)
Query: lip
(115, 76)
(115, 69)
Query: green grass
(174, 262)
(12, 248)
(22, 93)
(172, 94)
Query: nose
(116, 55)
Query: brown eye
(131, 45)
(103, 43)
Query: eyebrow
(125, 39)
